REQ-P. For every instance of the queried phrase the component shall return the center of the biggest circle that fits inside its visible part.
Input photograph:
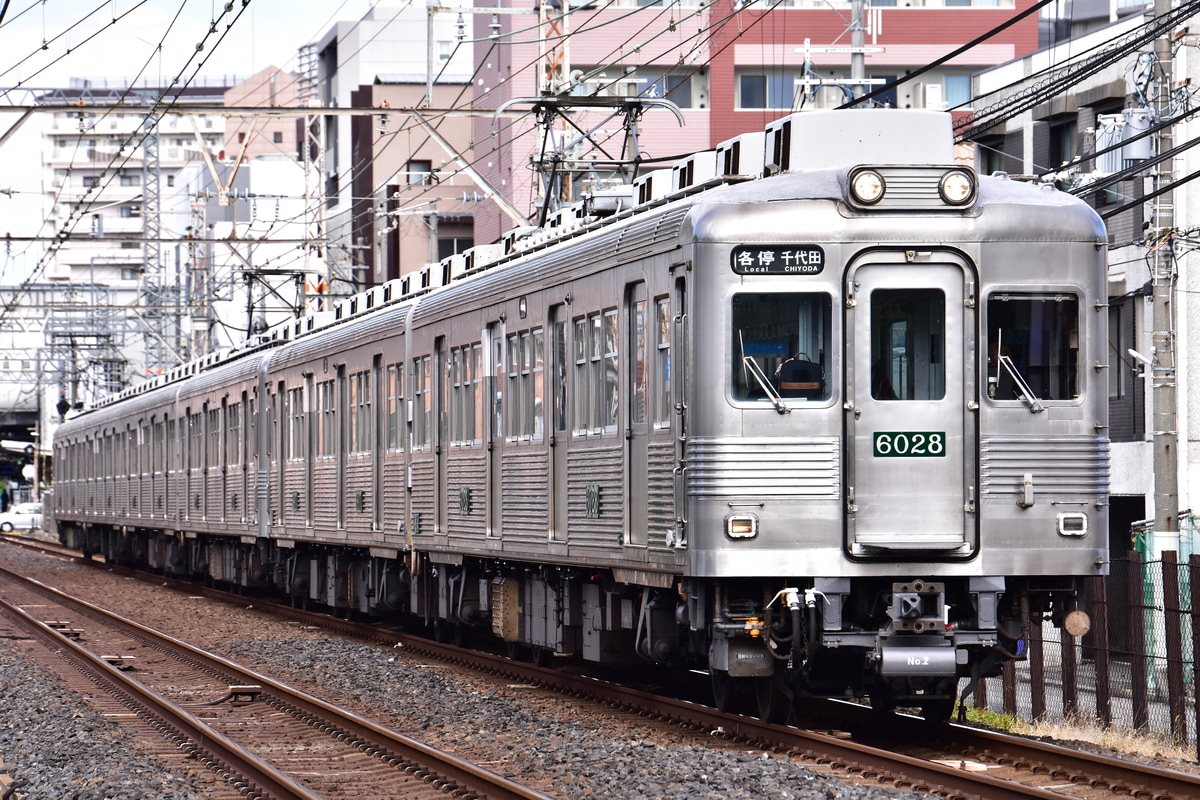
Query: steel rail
(209, 745)
(1156, 781)
(455, 770)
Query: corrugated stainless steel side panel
(359, 480)
(325, 490)
(660, 492)
(524, 507)
(393, 492)
(770, 467)
(215, 508)
(604, 469)
(1058, 465)
(466, 492)
(292, 512)
(422, 520)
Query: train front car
(897, 454)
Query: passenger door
(910, 428)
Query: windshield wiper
(1027, 394)
(761, 378)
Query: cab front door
(910, 463)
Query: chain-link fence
(1134, 670)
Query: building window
(765, 91)
(958, 91)
(241, 137)
(131, 180)
(277, 137)
(419, 171)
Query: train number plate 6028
(910, 444)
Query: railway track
(1008, 767)
(268, 739)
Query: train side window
(580, 396)
(422, 388)
(297, 436)
(466, 409)
(558, 355)
(233, 436)
(1033, 338)
(662, 363)
(908, 332)
(395, 405)
(326, 420)
(780, 346)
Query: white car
(21, 517)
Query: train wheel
(883, 699)
(722, 689)
(938, 710)
(772, 701)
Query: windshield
(1033, 339)
(780, 347)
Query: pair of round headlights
(956, 187)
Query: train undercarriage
(900, 643)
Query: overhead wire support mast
(1162, 234)
(552, 164)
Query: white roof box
(652, 186)
(695, 170)
(814, 140)
(741, 158)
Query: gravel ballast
(73, 753)
(56, 747)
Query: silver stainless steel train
(820, 411)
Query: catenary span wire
(953, 54)
(1057, 78)
(159, 103)
(408, 124)
(120, 103)
(68, 51)
(710, 30)
(707, 33)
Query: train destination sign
(775, 259)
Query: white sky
(82, 39)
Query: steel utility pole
(858, 57)
(1161, 236)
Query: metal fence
(1134, 671)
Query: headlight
(741, 526)
(957, 187)
(867, 186)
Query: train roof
(801, 155)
